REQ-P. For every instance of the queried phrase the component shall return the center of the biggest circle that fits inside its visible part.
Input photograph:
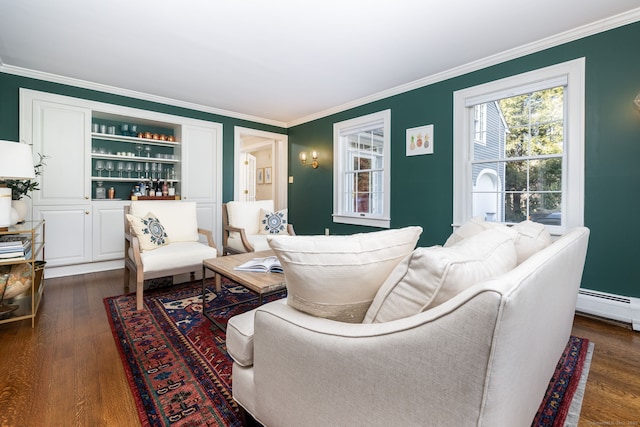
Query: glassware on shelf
(139, 149)
(139, 169)
(154, 168)
(159, 170)
(147, 151)
(99, 167)
(120, 168)
(129, 168)
(147, 169)
(109, 166)
(100, 191)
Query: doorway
(260, 169)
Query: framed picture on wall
(420, 140)
(267, 175)
(260, 176)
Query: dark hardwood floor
(67, 371)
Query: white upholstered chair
(180, 251)
(241, 226)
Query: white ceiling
(280, 60)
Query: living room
(422, 187)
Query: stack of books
(14, 247)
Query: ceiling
(280, 61)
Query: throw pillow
(149, 231)
(433, 275)
(336, 277)
(273, 222)
(529, 236)
(532, 237)
(470, 228)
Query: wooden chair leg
(126, 279)
(139, 291)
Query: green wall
(422, 186)
(9, 115)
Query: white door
(248, 167)
(249, 140)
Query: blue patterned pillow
(149, 231)
(273, 222)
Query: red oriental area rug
(180, 373)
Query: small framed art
(267, 175)
(420, 140)
(260, 176)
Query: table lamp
(16, 162)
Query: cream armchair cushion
(178, 218)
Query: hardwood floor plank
(612, 395)
(67, 370)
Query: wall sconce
(314, 159)
(636, 102)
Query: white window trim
(339, 215)
(573, 172)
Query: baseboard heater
(610, 306)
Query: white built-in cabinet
(85, 233)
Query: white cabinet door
(108, 230)
(68, 233)
(202, 174)
(61, 132)
(199, 151)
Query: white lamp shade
(16, 161)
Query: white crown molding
(556, 40)
(54, 78)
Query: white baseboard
(610, 306)
(91, 267)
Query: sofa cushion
(149, 231)
(179, 218)
(529, 236)
(337, 276)
(273, 222)
(532, 237)
(433, 275)
(470, 228)
(240, 336)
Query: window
(531, 163)
(480, 124)
(362, 160)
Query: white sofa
(483, 357)
(179, 252)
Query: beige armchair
(242, 226)
(167, 247)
